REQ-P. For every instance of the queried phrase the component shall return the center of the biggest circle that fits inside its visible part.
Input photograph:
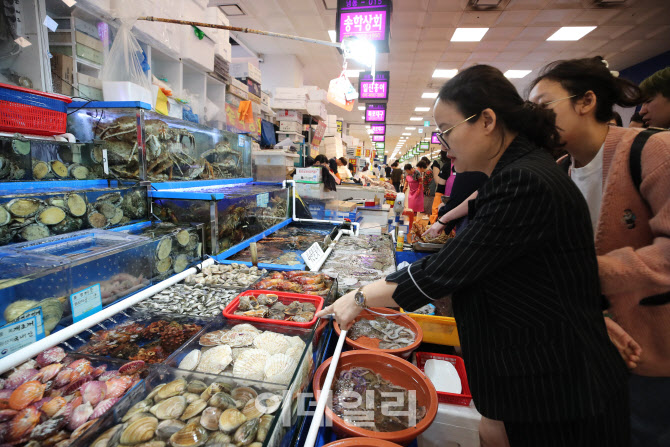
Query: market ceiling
(421, 33)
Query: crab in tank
(222, 161)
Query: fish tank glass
(168, 149)
(29, 211)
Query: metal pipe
(325, 392)
(32, 350)
(242, 30)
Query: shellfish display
(147, 337)
(171, 422)
(268, 305)
(196, 299)
(57, 398)
(226, 275)
(296, 281)
(389, 334)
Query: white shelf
(89, 64)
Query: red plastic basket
(284, 297)
(32, 112)
(449, 398)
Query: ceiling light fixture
(571, 33)
(444, 73)
(468, 34)
(429, 95)
(361, 107)
(407, 133)
(352, 73)
(422, 109)
(410, 128)
(517, 74)
(416, 118)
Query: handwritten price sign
(313, 255)
(86, 302)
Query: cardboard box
(246, 70)
(317, 109)
(238, 89)
(255, 100)
(290, 126)
(289, 115)
(90, 81)
(253, 86)
(290, 93)
(89, 41)
(312, 175)
(62, 74)
(265, 98)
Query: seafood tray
(283, 308)
(270, 353)
(197, 299)
(359, 260)
(177, 408)
(226, 275)
(175, 247)
(48, 272)
(43, 408)
(427, 247)
(23, 159)
(148, 336)
(175, 149)
(309, 283)
(35, 210)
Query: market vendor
(342, 169)
(523, 276)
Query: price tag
(313, 255)
(262, 200)
(86, 302)
(50, 23)
(17, 335)
(39, 319)
(105, 163)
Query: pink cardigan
(634, 252)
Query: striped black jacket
(526, 295)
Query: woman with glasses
(630, 217)
(522, 275)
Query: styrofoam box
(196, 51)
(296, 138)
(308, 175)
(225, 50)
(265, 98)
(313, 191)
(290, 126)
(246, 70)
(289, 104)
(317, 95)
(289, 115)
(273, 157)
(290, 93)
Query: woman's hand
(434, 230)
(344, 309)
(628, 348)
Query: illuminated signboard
(375, 113)
(434, 139)
(378, 129)
(425, 146)
(367, 19)
(378, 138)
(373, 89)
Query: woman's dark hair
(443, 156)
(617, 119)
(426, 160)
(408, 167)
(484, 87)
(332, 164)
(344, 161)
(578, 76)
(321, 159)
(395, 164)
(422, 164)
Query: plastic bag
(124, 65)
(337, 93)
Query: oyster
(139, 431)
(271, 342)
(215, 359)
(192, 435)
(168, 428)
(279, 369)
(210, 418)
(231, 419)
(193, 409)
(251, 364)
(190, 361)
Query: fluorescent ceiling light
(410, 128)
(517, 74)
(416, 118)
(468, 34)
(333, 35)
(571, 33)
(407, 133)
(429, 95)
(361, 107)
(363, 117)
(445, 73)
(352, 73)
(422, 109)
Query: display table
(376, 215)
(360, 192)
(454, 426)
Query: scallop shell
(171, 408)
(295, 352)
(117, 386)
(215, 359)
(251, 364)
(23, 423)
(231, 419)
(103, 407)
(140, 407)
(237, 339)
(210, 418)
(193, 435)
(245, 327)
(80, 415)
(168, 428)
(53, 406)
(196, 386)
(279, 369)
(271, 342)
(19, 377)
(172, 389)
(25, 394)
(82, 429)
(141, 430)
(193, 409)
(49, 372)
(190, 361)
(296, 341)
(211, 338)
(93, 392)
(49, 356)
(131, 368)
(48, 428)
(237, 352)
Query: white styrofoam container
(289, 104)
(308, 175)
(125, 91)
(246, 70)
(295, 138)
(273, 157)
(317, 95)
(198, 52)
(290, 126)
(290, 93)
(289, 115)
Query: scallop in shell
(141, 430)
(171, 408)
(192, 435)
(168, 428)
(237, 339)
(172, 389)
(245, 327)
(215, 360)
(237, 352)
(271, 342)
(193, 409)
(231, 419)
(190, 361)
(210, 418)
(211, 338)
(279, 369)
(251, 364)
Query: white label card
(262, 200)
(37, 313)
(313, 255)
(50, 23)
(17, 335)
(86, 302)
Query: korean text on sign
(367, 25)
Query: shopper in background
(631, 223)
(655, 110)
(413, 189)
(440, 179)
(636, 121)
(615, 120)
(428, 186)
(329, 179)
(332, 164)
(387, 171)
(523, 275)
(342, 169)
(396, 176)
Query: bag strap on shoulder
(635, 160)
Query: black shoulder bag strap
(635, 166)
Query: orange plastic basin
(361, 442)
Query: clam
(193, 409)
(222, 400)
(141, 430)
(172, 389)
(140, 407)
(192, 435)
(137, 416)
(251, 411)
(214, 388)
(191, 397)
(268, 403)
(152, 443)
(263, 427)
(196, 386)
(103, 439)
(219, 439)
(82, 429)
(244, 394)
(246, 433)
(153, 394)
(210, 418)
(231, 419)
(168, 428)
(171, 408)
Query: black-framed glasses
(443, 135)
